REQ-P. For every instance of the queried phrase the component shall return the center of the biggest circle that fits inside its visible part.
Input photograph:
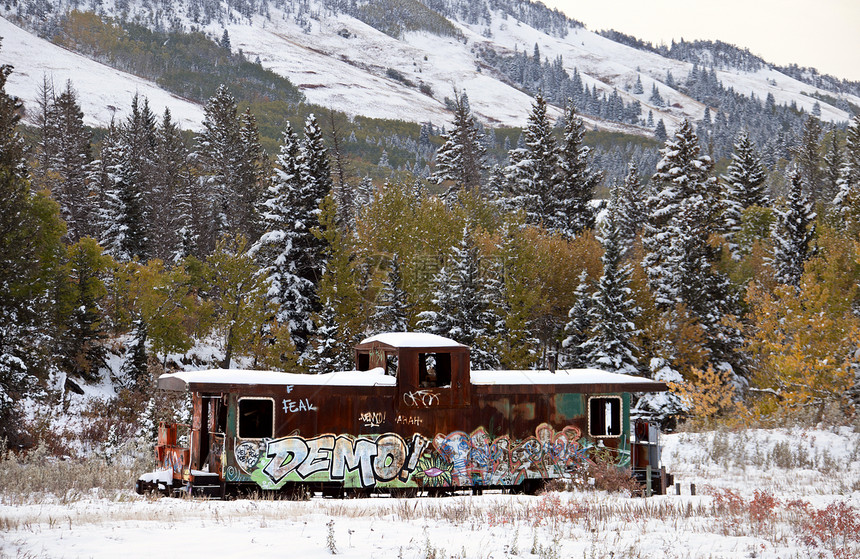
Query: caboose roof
(377, 377)
(178, 381)
(411, 340)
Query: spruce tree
(174, 233)
(679, 259)
(793, 232)
(626, 208)
(135, 366)
(847, 199)
(743, 187)
(463, 302)
(576, 181)
(577, 328)
(392, 308)
(66, 146)
(808, 157)
(461, 158)
(532, 173)
(30, 231)
(220, 156)
(610, 343)
(834, 164)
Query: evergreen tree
(462, 299)
(67, 156)
(808, 157)
(576, 180)
(82, 343)
(743, 187)
(128, 171)
(626, 208)
(679, 260)
(392, 305)
(847, 199)
(834, 164)
(175, 227)
(578, 327)
(30, 232)
(220, 156)
(135, 366)
(610, 344)
(660, 133)
(290, 254)
(461, 158)
(532, 173)
(793, 232)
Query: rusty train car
(413, 417)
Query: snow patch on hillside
(104, 93)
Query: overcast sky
(824, 34)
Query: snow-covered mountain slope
(102, 91)
(340, 62)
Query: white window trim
(620, 416)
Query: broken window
(256, 418)
(434, 369)
(604, 416)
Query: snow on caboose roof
(560, 376)
(178, 381)
(412, 339)
(377, 377)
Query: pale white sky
(824, 34)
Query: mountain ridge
(342, 62)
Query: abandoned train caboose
(413, 416)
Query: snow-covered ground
(758, 493)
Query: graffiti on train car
(363, 461)
(454, 459)
(477, 459)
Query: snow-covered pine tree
(66, 146)
(679, 260)
(281, 250)
(610, 343)
(392, 307)
(847, 199)
(29, 230)
(807, 155)
(328, 353)
(462, 299)
(128, 171)
(532, 172)
(660, 133)
(461, 158)
(626, 207)
(218, 155)
(316, 172)
(249, 178)
(743, 187)
(834, 163)
(576, 180)
(135, 368)
(578, 327)
(793, 232)
(173, 232)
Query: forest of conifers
(119, 256)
